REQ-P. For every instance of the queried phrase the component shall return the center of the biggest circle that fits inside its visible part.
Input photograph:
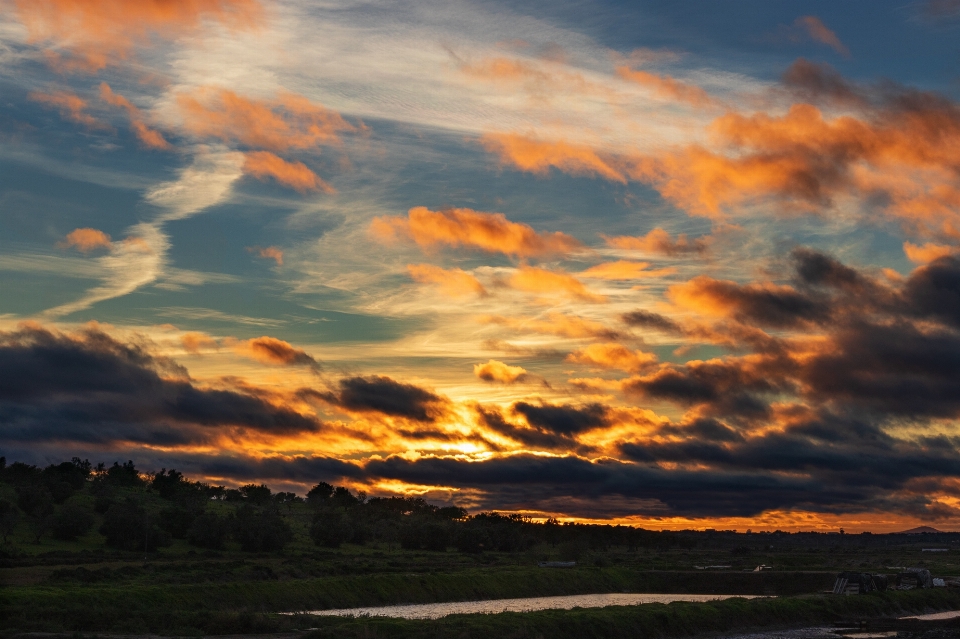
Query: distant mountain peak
(919, 529)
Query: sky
(675, 264)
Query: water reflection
(437, 610)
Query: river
(526, 604)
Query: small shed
(914, 578)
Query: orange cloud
(668, 87)
(624, 270)
(147, 136)
(455, 281)
(614, 356)
(806, 160)
(537, 280)
(495, 371)
(95, 33)
(926, 253)
(900, 147)
(296, 175)
(70, 105)
(541, 80)
(538, 156)
(659, 241)
(271, 253)
(271, 350)
(195, 342)
(288, 122)
(86, 240)
(491, 232)
(819, 32)
(762, 301)
(555, 324)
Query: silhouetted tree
(472, 539)
(208, 530)
(127, 526)
(176, 520)
(256, 493)
(258, 529)
(331, 528)
(124, 475)
(286, 498)
(9, 516)
(343, 498)
(168, 483)
(37, 503)
(66, 478)
(70, 522)
(319, 494)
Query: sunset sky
(670, 263)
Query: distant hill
(918, 530)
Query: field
(161, 581)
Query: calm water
(437, 610)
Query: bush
(419, 534)
(102, 504)
(128, 527)
(70, 522)
(208, 530)
(66, 478)
(472, 539)
(176, 520)
(259, 530)
(331, 529)
(8, 518)
(37, 503)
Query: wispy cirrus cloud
(140, 259)
(89, 36)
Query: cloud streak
(478, 230)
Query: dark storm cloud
(92, 388)
(819, 269)
(729, 385)
(889, 369)
(384, 395)
(563, 420)
(934, 291)
(648, 319)
(826, 447)
(492, 418)
(764, 305)
(824, 403)
(528, 481)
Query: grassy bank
(649, 620)
(239, 607)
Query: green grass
(250, 607)
(105, 606)
(677, 619)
